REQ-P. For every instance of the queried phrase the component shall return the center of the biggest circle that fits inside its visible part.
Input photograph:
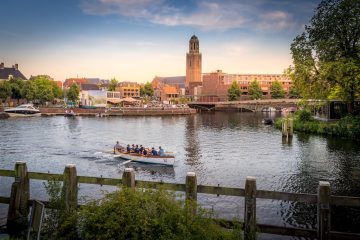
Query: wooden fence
(19, 199)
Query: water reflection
(192, 142)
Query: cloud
(207, 15)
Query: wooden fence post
(128, 178)
(250, 209)
(70, 187)
(19, 197)
(191, 186)
(323, 211)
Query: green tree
(113, 84)
(5, 90)
(41, 88)
(327, 54)
(147, 90)
(73, 93)
(277, 90)
(255, 91)
(293, 92)
(29, 90)
(16, 86)
(234, 92)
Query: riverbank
(118, 112)
(348, 127)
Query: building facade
(128, 89)
(193, 63)
(216, 84)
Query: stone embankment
(3, 115)
(119, 112)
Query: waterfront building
(128, 89)
(216, 84)
(7, 73)
(168, 88)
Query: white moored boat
(24, 110)
(164, 160)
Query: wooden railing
(19, 199)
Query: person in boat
(141, 148)
(161, 152)
(128, 148)
(154, 152)
(137, 149)
(132, 148)
(117, 146)
(144, 152)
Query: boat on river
(168, 159)
(24, 110)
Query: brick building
(216, 84)
(128, 89)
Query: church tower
(193, 63)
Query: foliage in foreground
(141, 214)
(347, 127)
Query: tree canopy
(5, 90)
(234, 92)
(147, 90)
(113, 84)
(255, 91)
(73, 93)
(277, 90)
(327, 55)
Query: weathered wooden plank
(286, 231)
(323, 211)
(191, 189)
(166, 186)
(4, 200)
(128, 178)
(345, 201)
(7, 173)
(296, 197)
(226, 191)
(70, 188)
(344, 236)
(45, 176)
(100, 180)
(250, 209)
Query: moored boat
(169, 159)
(24, 110)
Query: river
(220, 147)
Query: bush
(304, 115)
(147, 214)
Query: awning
(129, 99)
(114, 101)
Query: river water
(220, 147)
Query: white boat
(169, 159)
(25, 110)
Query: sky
(136, 40)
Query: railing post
(250, 209)
(323, 211)
(70, 187)
(191, 186)
(19, 197)
(128, 178)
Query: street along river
(221, 148)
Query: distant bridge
(244, 106)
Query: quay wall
(119, 112)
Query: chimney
(1, 65)
(16, 66)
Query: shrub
(147, 214)
(304, 115)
